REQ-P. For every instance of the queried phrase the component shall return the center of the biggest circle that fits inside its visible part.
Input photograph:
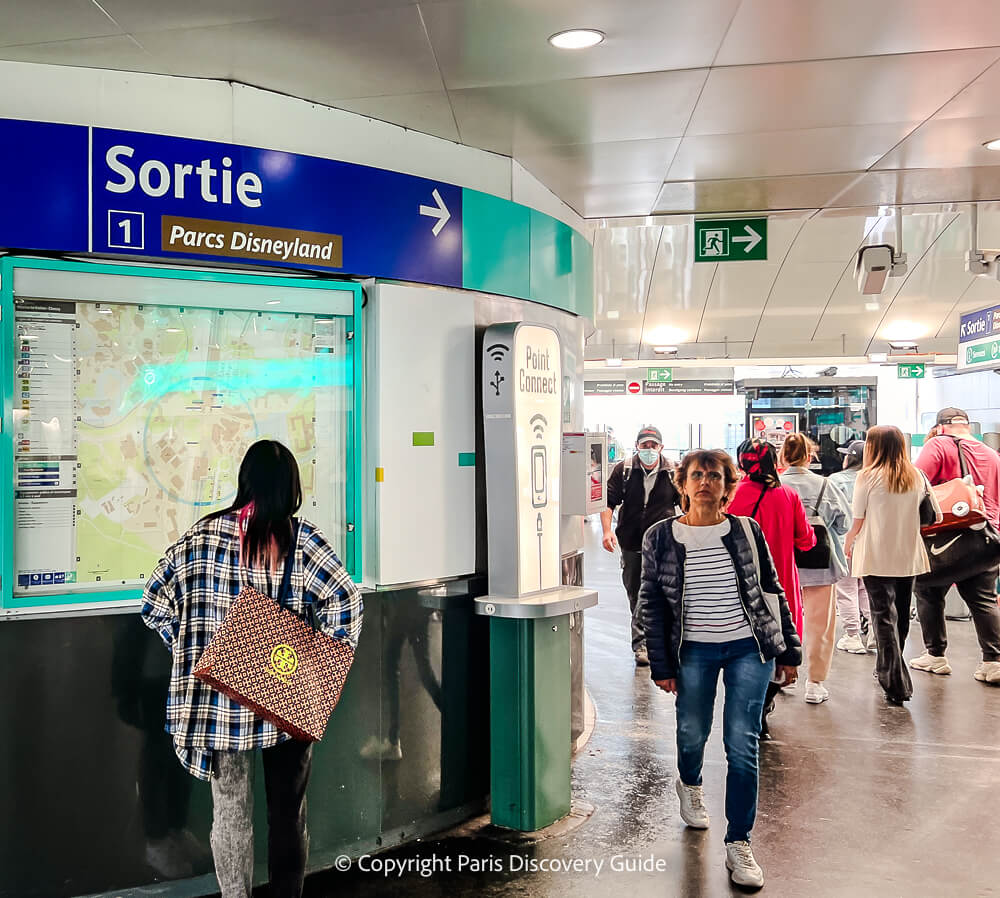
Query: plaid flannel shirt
(185, 601)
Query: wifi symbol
(497, 351)
(538, 425)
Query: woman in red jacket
(780, 513)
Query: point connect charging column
(529, 633)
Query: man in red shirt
(939, 461)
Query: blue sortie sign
(977, 325)
(173, 197)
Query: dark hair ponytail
(269, 478)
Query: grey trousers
(286, 775)
(631, 580)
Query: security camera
(828, 372)
(873, 267)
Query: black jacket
(662, 601)
(637, 515)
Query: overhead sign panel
(979, 339)
(71, 188)
(170, 196)
(730, 239)
(690, 387)
(603, 387)
(659, 375)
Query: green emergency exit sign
(730, 240)
(659, 375)
(917, 369)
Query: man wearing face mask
(644, 488)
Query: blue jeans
(745, 677)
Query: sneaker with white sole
(693, 811)
(988, 672)
(852, 644)
(745, 871)
(816, 693)
(931, 664)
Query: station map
(131, 422)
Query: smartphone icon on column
(539, 493)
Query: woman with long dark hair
(886, 549)
(215, 738)
(712, 603)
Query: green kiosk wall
(98, 803)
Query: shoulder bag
(819, 556)
(965, 544)
(269, 660)
(961, 503)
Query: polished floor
(857, 798)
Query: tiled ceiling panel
(429, 112)
(831, 93)
(771, 30)
(35, 23)
(777, 153)
(322, 57)
(586, 110)
(491, 43)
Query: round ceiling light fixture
(577, 39)
(993, 144)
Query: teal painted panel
(466, 459)
(561, 266)
(583, 269)
(496, 243)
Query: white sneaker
(988, 672)
(693, 811)
(816, 693)
(931, 663)
(745, 871)
(852, 644)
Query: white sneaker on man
(816, 693)
(693, 811)
(931, 663)
(988, 672)
(745, 871)
(852, 644)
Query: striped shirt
(713, 611)
(186, 599)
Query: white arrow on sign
(440, 212)
(751, 240)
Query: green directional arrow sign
(730, 239)
(659, 375)
(914, 370)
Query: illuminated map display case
(130, 395)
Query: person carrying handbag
(946, 457)
(255, 541)
(822, 566)
(885, 547)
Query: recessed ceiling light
(613, 314)
(663, 350)
(993, 144)
(613, 363)
(576, 39)
(872, 307)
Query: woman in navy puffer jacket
(707, 609)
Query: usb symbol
(497, 380)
